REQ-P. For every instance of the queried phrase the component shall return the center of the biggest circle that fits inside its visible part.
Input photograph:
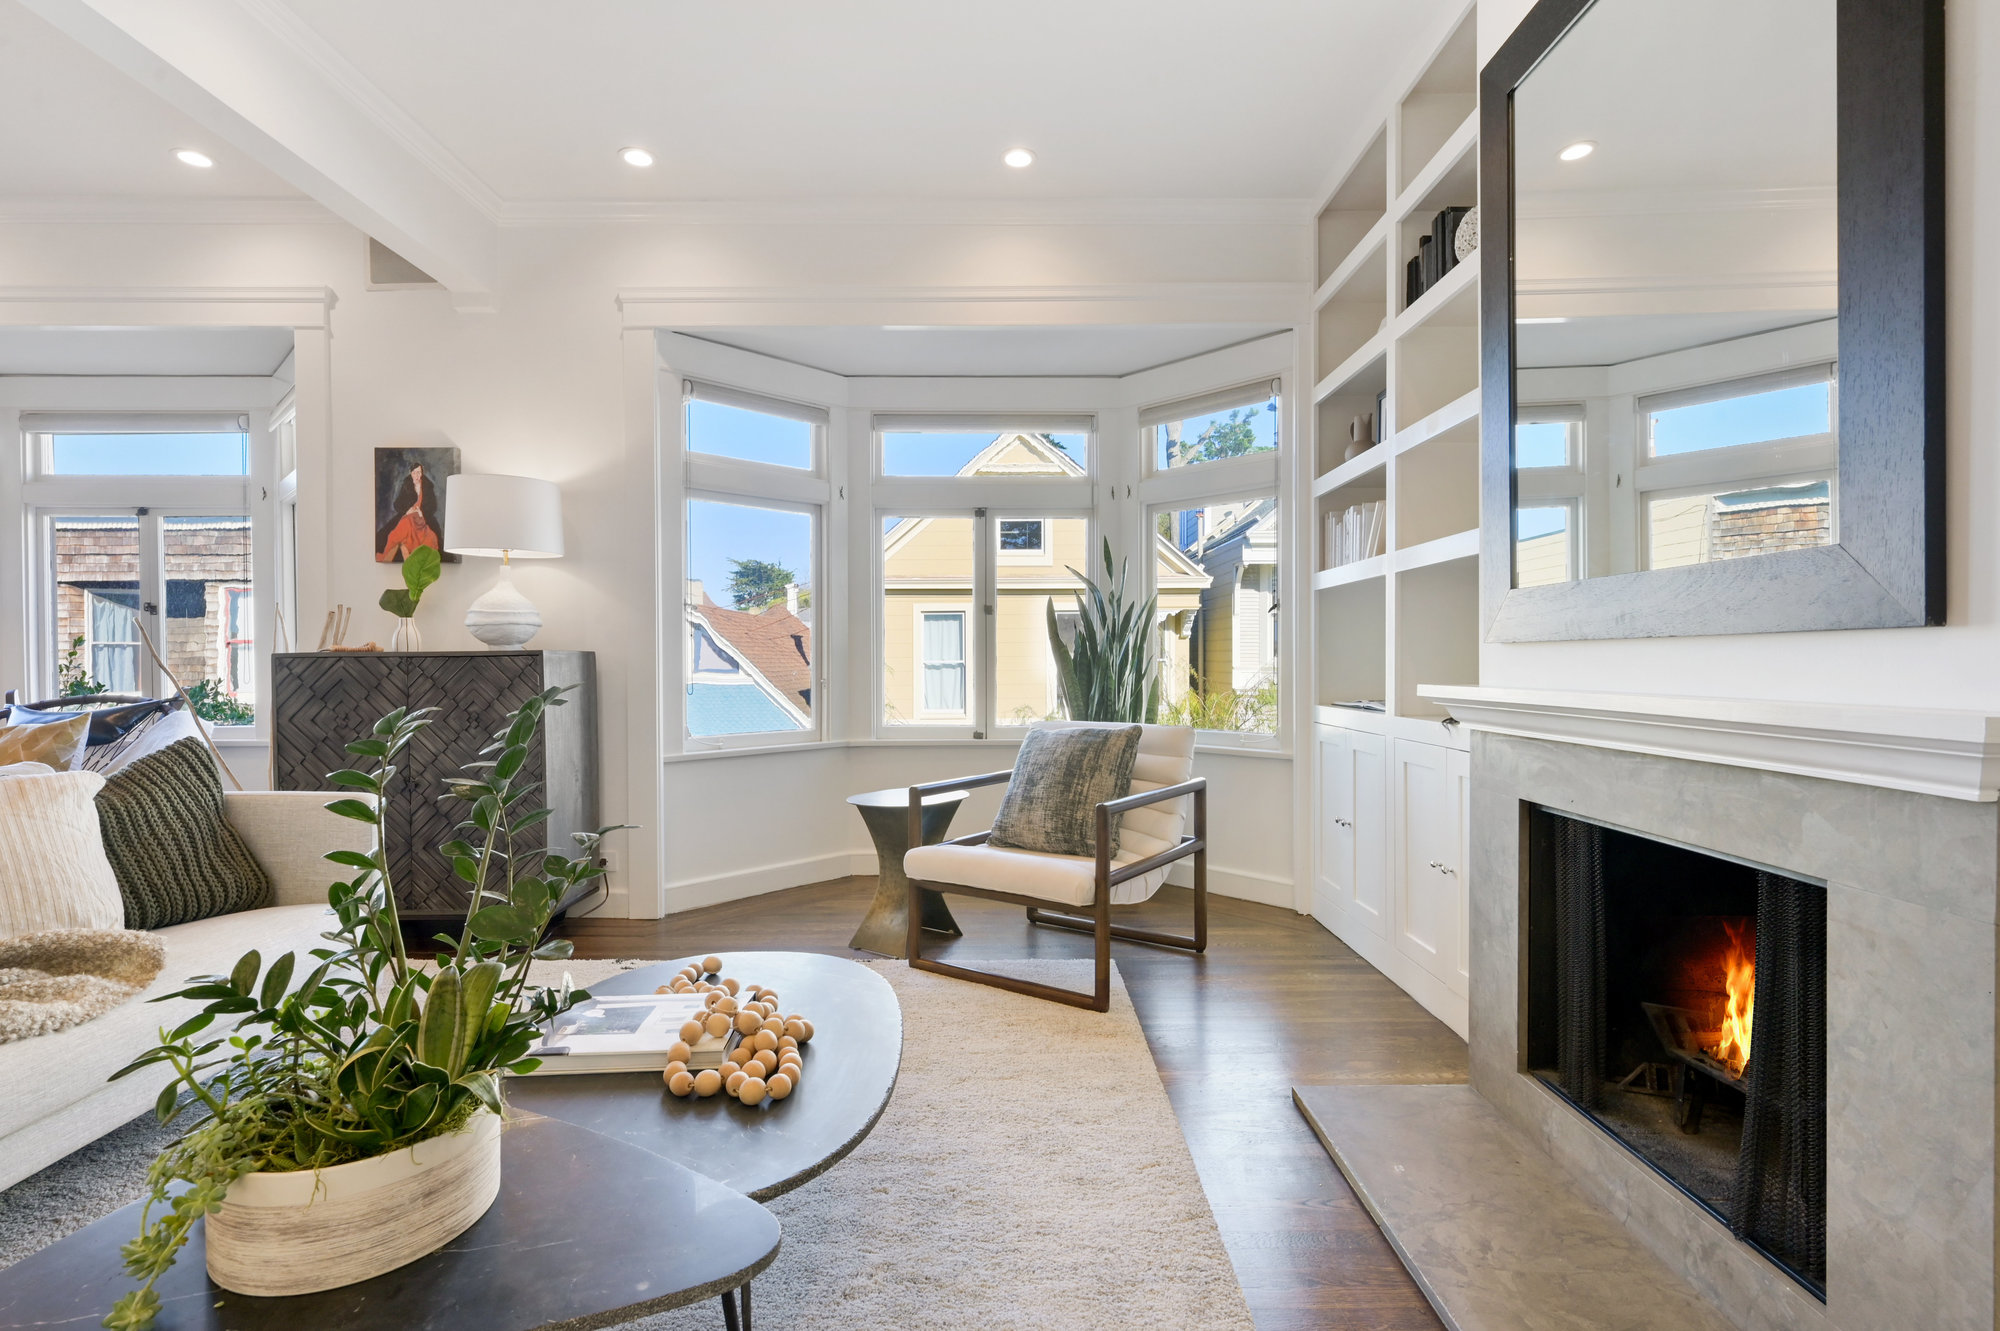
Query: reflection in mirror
(1676, 289)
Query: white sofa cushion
(53, 871)
(51, 1072)
(1166, 758)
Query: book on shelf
(625, 1033)
(1444, 237)
(1355, 533)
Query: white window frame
(1560, 486)
(1041, 556)
(46, 495)
(712, 478)
(1253, 476)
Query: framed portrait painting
(409, 501)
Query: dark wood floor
(1277, 1001)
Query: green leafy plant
(421, 568)
(1108, 674)
(1250, 711)
(212, 702)
(368, 1054)
(73, 676)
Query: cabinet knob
(1442, 867)
(1342, 822)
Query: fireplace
(1678, 998)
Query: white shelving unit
(1389, 785)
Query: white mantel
(1947, 753)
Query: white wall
(1954, 666)
(546, 386)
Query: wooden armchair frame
(1098, 922)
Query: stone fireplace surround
(1895, 811)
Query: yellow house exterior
(929, 654)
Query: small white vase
(502, 617)
(406, 638)
(314, 1229)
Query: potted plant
(350, 1123)
(1107, 673)
(421, 568)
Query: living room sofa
(57, 1096)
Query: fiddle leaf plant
(1107, 674)
(421, 567)
(369, 1053)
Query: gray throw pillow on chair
(1059, 780)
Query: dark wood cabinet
(322, 700)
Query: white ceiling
(163, 351)
(1615, 339)
(1111, 350)
(76, 126)
(1696, 94)
(523, 101)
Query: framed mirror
(1712, 319)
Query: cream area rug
(58, 978)
(1028, 1174)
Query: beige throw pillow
(53, 870)
(59, 744)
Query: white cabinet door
(1333, 885)
(1371, 832)
(1461, 780)
(1430, 905)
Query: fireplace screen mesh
(1680, 999)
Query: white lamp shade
(502, 515)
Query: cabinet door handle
(1342, 822)
(1442, 867)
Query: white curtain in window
(944, 663)
(114, 646)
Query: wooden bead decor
(763, 1064)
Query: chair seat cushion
(1060, 880)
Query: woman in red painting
(415, 520)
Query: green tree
(1230, 437)
(756, 583)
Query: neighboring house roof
(776, 643)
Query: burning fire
(1732, 1050)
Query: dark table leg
(885, 929)
(729, 1310)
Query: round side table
(885, 929)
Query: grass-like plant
(1108, 674)
(368, 1054)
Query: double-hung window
(981, 519)
(1549, 444)
(752, 672)
(1217, 559)
(146, 539)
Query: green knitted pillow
(176, 857)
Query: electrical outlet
(609, 861)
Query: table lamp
(508, 518)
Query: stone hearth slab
(1495, 1236)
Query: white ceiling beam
(282, 98)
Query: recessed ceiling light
(1018, 158)
(1577, 151)
(1548, 319)
(193, 158)
(636, 157)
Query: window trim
(1248, 393)
(924, 715)
(763, 404)
(884, 423)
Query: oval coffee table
(765, 1152)
(587, 1232)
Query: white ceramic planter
(319, 1229)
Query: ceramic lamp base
(503, 618)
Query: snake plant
(369, 1053)
(1108, 673)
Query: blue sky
(152, 454)
(1784, 413)
(1532, 522)
(1263, 426)
(719, 532)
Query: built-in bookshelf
(1390, 776)
(1413, 367)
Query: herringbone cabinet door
(324, 702)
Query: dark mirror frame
(1888, 569)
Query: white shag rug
(1028, 1175)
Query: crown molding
(378, 107)
(289, 307)
(1947, 753)
(1155, 302)
(1546, 204)
(914, 212)
(140, 209)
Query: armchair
(1052, 887)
